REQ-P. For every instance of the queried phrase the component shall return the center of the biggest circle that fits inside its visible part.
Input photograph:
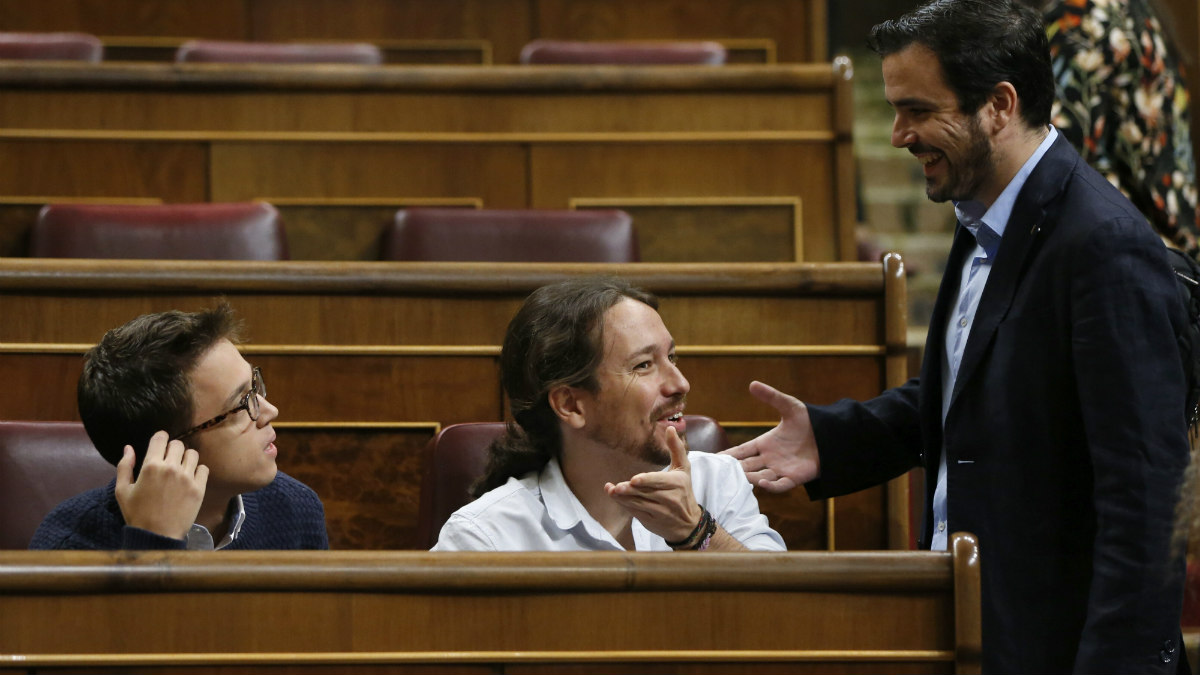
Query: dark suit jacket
(1065, 436)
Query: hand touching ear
(169, 489)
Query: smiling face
(642, 392)
(952, 146)
(239, 452)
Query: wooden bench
(389, 612)
(730, 164)
(366, 361)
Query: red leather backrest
(205, 231)
(219, 51)
(51, 47)
(522, 235)
(42, 464)
(623, 53)
(457, 456)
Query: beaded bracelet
(709, 531)
(699, 538)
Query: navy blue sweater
(286, 514)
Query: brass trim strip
(38, 200)
(756, 655)
(383, 426)
(469, 350)
(217, 136)
(398, 202)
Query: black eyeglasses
(249, 403)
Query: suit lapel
(1028, 225)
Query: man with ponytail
(595, 457)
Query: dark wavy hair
(979, 43)
(555, 339)
(137, 380)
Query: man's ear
(1004, 105)
(569, 404)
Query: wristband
(699, 537)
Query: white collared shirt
(538, 512)
(975, 271)
(198, 537)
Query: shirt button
(963, 322)
(1165, 656)
(941, 526)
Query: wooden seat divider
(366, 361)
(389, 612)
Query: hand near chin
(662, 500)
(169, 489)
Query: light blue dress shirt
(988, 227)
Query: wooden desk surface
(897, 612)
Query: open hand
(785, 456)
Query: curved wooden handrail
(384, 278)
(211, 76)
(416, 572)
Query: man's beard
(651, 451)
(966, 175)
(648, 450)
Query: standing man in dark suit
(1049, 415)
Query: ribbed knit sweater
(286, 514)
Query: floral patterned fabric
(1122, 103)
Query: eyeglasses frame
(257, 389)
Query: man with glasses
(170, 401)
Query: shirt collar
(563, 507)
(972, 213)
(200, 539)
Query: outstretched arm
(785, 456)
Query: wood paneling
(682, 170)
(525, 612)
(504, 25)
(682, 229)
(790, 30)
(224, 19)
(797, 29)
(493, 173)
(382, 343)
(356, 468)
(500, 137)
(346, 228)
(126, 169)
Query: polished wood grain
(375, 462)
(350, 140)
(827, 612)
(797, 29)
(789, 30)
(346, 343)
